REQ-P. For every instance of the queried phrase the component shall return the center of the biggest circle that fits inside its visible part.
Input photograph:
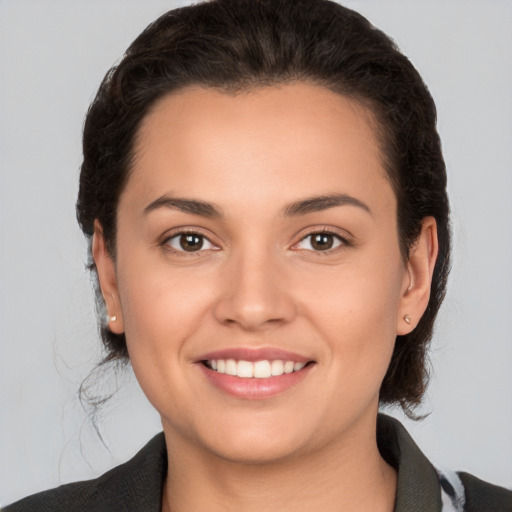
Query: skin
(259, 282)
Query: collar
(418, 488)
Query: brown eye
(321, 242)
(189, 242)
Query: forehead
(273, 142)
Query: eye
(321, 241)
(189, 242)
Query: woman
(265, 197)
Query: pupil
(191, 242)
(322, 241)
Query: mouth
(254, 374)
(262, 369)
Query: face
(257, 235)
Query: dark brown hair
(235, 45)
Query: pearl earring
(407, 319)
(113, 318)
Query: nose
(255, 294)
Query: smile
(250, 373)
(258, 369)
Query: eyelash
(343, 242)
(182, 252)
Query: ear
(106, 269)
(416, 288)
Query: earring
(407, 319)
(113, 318)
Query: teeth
(245, 369)
(258, 370)
(231, 367)
(277, 367)
(262, 370)
(288, 366)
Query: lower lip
(252, 388)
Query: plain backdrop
(53, 55)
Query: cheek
(162, 312)
(162, 307)
(355, 308)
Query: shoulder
(423, 488)
(134, 485)
(462, 492)
(483, 496)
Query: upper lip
(254, 354)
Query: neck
(346, 476)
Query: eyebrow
(320, 203)
(297, 208)
(193, 206)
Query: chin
(249, 438)
(260, 450)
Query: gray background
(53, 55)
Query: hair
(238, 45)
